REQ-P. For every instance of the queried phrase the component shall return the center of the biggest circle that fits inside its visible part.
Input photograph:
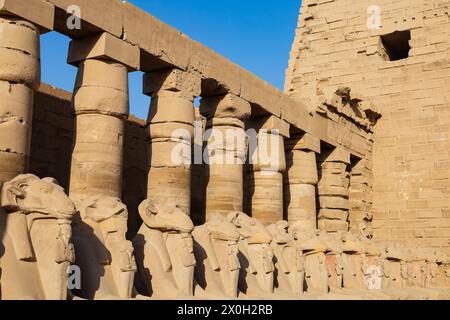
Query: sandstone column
(267, 163)
(361, 184)
(334, 190)
(227, 150)
(101, 104)
(19, 79)
(171, 131)
(301, 179)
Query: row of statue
(234, 256)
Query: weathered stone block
(38, 12)
(104, 46)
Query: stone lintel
(96, 16)
(104, 46)
(225, 106)
(38, 12)
(270, 124)
(339, 155)
(175, 80)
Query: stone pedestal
(226, 150)
(301, 180)
(171, 131)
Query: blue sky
(256, 34)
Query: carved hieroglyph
(216, 252)
(289, 263)
(256, 278)
(35, 229)
(103, 254)
(164, 251)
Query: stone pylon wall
(334, 47)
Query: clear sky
(256, 34)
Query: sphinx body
(289, 264)
(374, 272)
(443, 271)
(333, 258)
(316, 272)
(164, 252)
(103, 254)
(393, 267)
(354, 262)
(35, 228)
(216, 252)
(314, 257)
(256, 278)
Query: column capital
(39, 12)
(270, 123)
(225, 106)
(104, 46)
(304, 142)
(338, 155)
(175, 81)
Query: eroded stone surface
(103, 254)
(36, 231)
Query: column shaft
(264, 178)
(361, 183)
(334, 191)
(300, 187)
(226, 149)
(225, 182)
(101, 104)
(19, 78)
(171, 130)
